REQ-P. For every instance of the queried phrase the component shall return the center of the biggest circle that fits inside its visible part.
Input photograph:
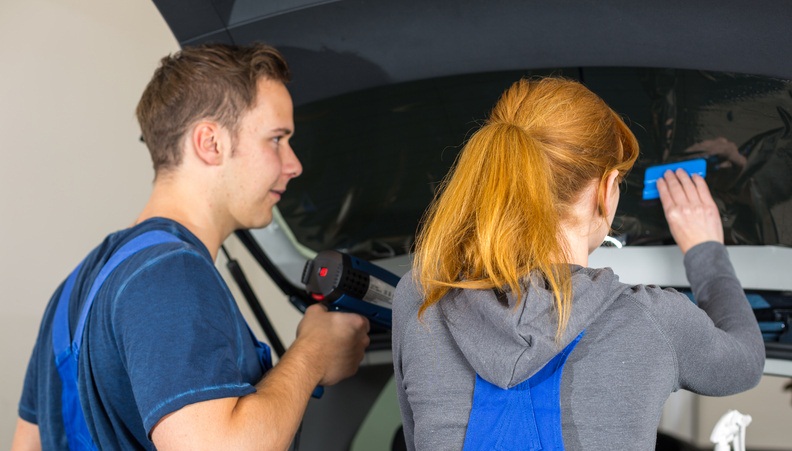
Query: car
(385, 94)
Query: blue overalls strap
(526, 417)
(67, 350)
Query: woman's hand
(690, 211)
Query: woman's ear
(208, 142)
(609, 194)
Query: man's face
(262, 162)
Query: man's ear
(209, 142)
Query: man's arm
(329, 347)
(26, 437)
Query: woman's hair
(210, 81)
(499, 212)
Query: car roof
(358, 44)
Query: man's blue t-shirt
(164, 332)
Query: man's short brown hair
(210, 81)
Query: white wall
(72, 167)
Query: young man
(166, 359)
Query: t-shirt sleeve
(36, 378)
(179, 336)
(29, 399)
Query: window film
(373, 159)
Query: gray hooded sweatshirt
(640, 343)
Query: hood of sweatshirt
(507, 344)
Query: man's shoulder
(179, 237)
(158, 265)
(160, 225)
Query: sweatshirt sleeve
(404, 295)
(434, 382)
(724, 353)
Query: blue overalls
(67, 351)
(526, 417)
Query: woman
(505, 339)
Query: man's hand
(689, 209)
(338, 341)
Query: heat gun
(346, 283)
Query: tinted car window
(374, 159)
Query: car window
(374, 159)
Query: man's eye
(277, 139)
